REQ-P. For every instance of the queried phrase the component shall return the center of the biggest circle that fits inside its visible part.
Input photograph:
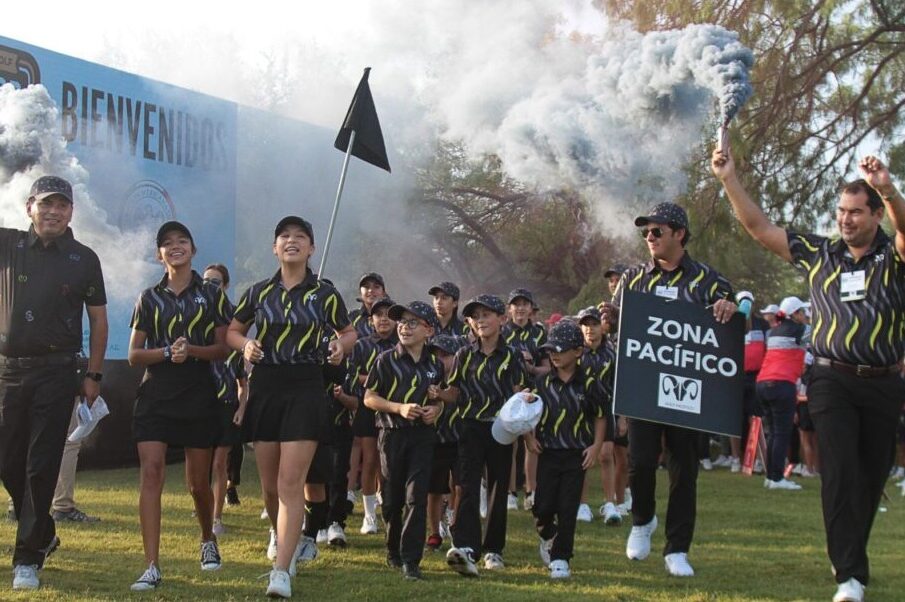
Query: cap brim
(43, 195)
(650, 219)
(499, 432)
(470, 307)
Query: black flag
(362, 117)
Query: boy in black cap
(567, 439)
(371, 289)
(403, 388)
(446, 305)
(487, 372)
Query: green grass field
(750, 544)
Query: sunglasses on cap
(657, 232)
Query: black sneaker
(74, 516)
(51, 547)
(394, 562)
(412, 572)
(232, 497)
(210, 556)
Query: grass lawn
(750, 544)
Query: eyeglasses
(214, 281)
(412, 323)
(657, 232)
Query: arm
(591, 453)
(138, 355)
(235, 338)
(749, 214)
(409, 411)
(342, 344)
(97, 347)
(449, 395)
(877, 175)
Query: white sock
(370, 503)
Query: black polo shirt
(601, 364)
(291, 323)
(448, 423)
(570, 409)
(341, 417)
(43, 290)
(364, 354)
(361, 321)
(456, 328)
(485, 382)
(397, 377)
(691, 281)
(226, 375)
(525, 338)
(867, 328)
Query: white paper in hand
(88, 418)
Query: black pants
(35, 408)
(560, 479)
(855, 420)
(777, 397)
(234, 464)
(406, 455)
(338, 487)
(477, 450)
(644, 448)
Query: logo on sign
(19, 68)
(679, 393)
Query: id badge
(852, 286)
(668, 292)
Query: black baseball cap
(564, 335)
(445, 287)
(417, 308)
(46, 186)
(491, 302)
(523, 293)
(371, 276)
(664, 213)
(294, 220)
(615, 269)
(382, 302)
(446, 343)
(589, 313)
(173, 226)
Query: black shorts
(230, 434)
(319, 472)
(178, 406)
(365, 422)
(202, 433)
(610, 434)
(804, 418)
(287, 403)
(446, 456)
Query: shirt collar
(401, 351)
(61, 242)
(684, 264)
(309, 281)
(881, 239)
(196, 282)
(500, 344)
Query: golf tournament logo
(679, 393)
(147, 204)
(18, 67)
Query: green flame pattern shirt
(570, 409)
(601, 364)
(485, 382)
(291, 323)
(397, 377)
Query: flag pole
(339, 193)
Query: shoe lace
(209, 552)
(151, 575)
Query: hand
(337, 391)
(410, 411)
(722, 165)
(533, 445)
(529, 359)
(239, 415)
(876, 174)
(723, 310)
(90, 390)
(609, 313)
(622, 426)
(179, 350)
(336, 352)
(430, 413)
(252, 351)
(589, 456)
(433, 392)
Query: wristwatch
(95, 376)
(167, 353)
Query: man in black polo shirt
(857, 288)
(672, 274)
(46, 277)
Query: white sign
(680, 393)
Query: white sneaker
(218, 529)
(483, 505)
(493, 562)
(149, 580)
(512, 502)
(544, 550)
(279, 586)
(706, 464)
(462, 561)
(444, 530)
(336, 535)
(722, 461)
(758, 467)
(559, 569)
(677, 565)
(272, 546)
(379, 497)
(623, 509)
(321, 536)
(638, 545)
(850, 591)
(807, 473)
(306, 550)
(610, 514)
(368, 525)
(351, 497)
(628, 499)
(210, 556)
(735, 465)
(25, 576)
(264, 515)
(797, 468)
(784, 484)
(584, 514)
(528, 504)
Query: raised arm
(877, 175)
(749, 214)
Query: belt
(38, 361)
(860, 370)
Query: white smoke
(30, 147)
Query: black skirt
(287, 403)
(230, 434)
(177, 405)
(364, 424)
